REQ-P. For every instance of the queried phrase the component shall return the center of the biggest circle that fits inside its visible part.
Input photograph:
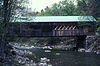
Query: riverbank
(51, 47)
(40, 56)
(57, 47)
(55, 58)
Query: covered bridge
(41, 26)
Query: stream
(64, 58)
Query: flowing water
(65, 58)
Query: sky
(38, 5)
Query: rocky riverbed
(22, 57)
(33, 56)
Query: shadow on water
(66, 58)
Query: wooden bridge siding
(54, 33)
(20, 30)
(68, 32)
(71, 33)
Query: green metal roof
(56, 19)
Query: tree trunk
(3, 43)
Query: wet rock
(81, 50)
(98, 52)
(13, 52)
(57, 53)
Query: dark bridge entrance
(54, 26)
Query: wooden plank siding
(75, 32)
(50, 29)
